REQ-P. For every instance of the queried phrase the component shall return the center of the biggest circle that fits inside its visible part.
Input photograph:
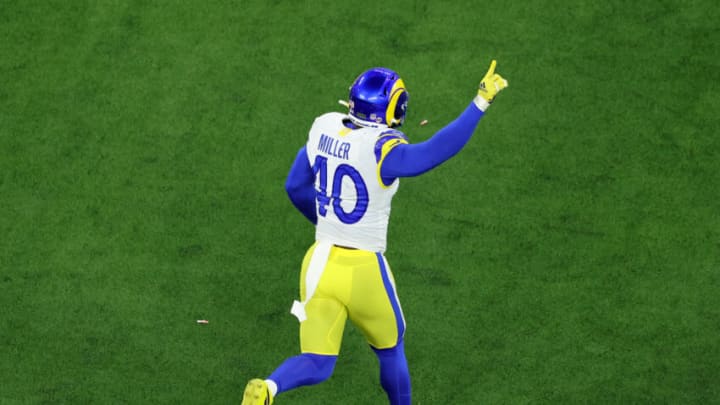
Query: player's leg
(320, 335)
(394, 374)
(375, 309)
(320, 339)
(303, 369)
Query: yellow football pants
(356, 284)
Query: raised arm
(413, 159)
(401, 159)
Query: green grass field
(569, 254)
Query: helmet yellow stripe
(397, 89)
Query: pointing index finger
(492, 67)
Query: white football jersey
(353, 204)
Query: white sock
(272, 387)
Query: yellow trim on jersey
(397, 89)
(386, 148)
(344, 131)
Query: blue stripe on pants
(392, 296)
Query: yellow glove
(490, 86)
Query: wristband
(481, 103)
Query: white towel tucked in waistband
(318, 260)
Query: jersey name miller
(334, 147)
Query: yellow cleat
(257, 393)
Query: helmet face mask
(378, 98)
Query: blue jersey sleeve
(300, 186)
(407, 160)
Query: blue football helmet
(378, 98)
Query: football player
(343, 180)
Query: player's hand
(490, 86)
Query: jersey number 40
(334, 198)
